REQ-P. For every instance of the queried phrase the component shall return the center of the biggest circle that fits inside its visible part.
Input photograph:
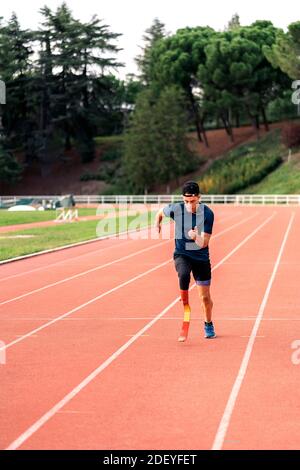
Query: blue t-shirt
(185, 221)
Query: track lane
(267, 411)
(82, 252)
(41, 306)
(110, 250)
(131, 294)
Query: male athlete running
(193, 229)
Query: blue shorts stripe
(203, 283)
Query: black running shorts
(185, 265)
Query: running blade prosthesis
(185, 325)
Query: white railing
(235, 199)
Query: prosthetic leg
(186, 316)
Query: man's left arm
(201, 239)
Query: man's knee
(184, 280)
(206, 299)
(184, 275)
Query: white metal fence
(235, 199)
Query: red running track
(92, 358)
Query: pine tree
(285, 53)
(156, 149)
(15, 65)
(151, 37)
(78, 53)
(173, 157)
(139, 157)
(10, 169)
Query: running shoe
(209, 330)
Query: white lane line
(47, 266)
(79, 307)
(21, 336)
(109, 237)
(61, 317)
(83, 273)
(173, 318)
(25, 319)
(140, 336)
(56, 408)
(75, 412)
(235, 225)
(64, 247)
(71, 258)
(224, 424)
(147, 318)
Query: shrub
(111, 154)
(244, 166)
(91, 176)
(10, 168)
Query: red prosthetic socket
(187, 313)
(184, 294)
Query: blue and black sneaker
(209, 330)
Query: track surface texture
(92, 359)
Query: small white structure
(22, 207)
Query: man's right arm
(158, 219)
(167, 211)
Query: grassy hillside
(246, 165)
(284, 180)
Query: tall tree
(174, 158)
(269, 82)
(15, 65)
(176, 60)
(227, 75)
(59, 84)
(236, 76)
(139, 159)
(285, 52)
(156, 148)
(10, 168)
(78, 52)
(152, 35)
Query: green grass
(246, 165)
(65, 234)
(284, 180)
(16, 218)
